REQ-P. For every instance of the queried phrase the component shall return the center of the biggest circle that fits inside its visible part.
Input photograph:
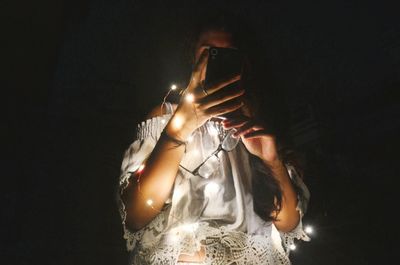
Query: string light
(172, 88)
(149, 202)
(189, 97)
(292, 246)
(140, 169)
(211, 189)
(190, 227)
(178, 193)
(177, 122)
(308, 229)
(206, 175)
(173, 238)
(196, 152)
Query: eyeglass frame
(195, 172)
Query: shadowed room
(80, 76)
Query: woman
(192, 193)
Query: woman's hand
(260, 142)
(198, 104)
(255, 136)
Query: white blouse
(214, 211)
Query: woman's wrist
(178, 129)
(173, 139)
(272, 158)
(274, 164)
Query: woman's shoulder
(155, 121)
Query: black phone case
(222, 64)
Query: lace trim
(288, 238)
(222, 246)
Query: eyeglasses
(208, 166)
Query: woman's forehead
(218, 38)
(215, 38)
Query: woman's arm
(156, 180)
(158, 176)
(288, 217)
(261, 143)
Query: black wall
(80, 75)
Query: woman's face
(216, 38)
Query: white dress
(216, 212)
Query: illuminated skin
(158, 176)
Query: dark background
(79, 75)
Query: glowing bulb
(292, 246)
(211, 189)
(149, 202)
(190, 227)
(196, 152)
(178, 193)
(173, 87)
(163, 121)
(141, 167)
(177, 122)
(174, 238)
(308, 229)
(189, 97)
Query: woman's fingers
(256, 134)
(202, 62)
(223, 83)
(219, 98)
(246, 128)
(226, 107)
(235, 122)
(198, 69)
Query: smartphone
(223, 63)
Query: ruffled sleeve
(303, 197)
(283, 240)
(148, 133)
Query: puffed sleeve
(303, 197)
(148, 133)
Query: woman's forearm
(145, 198)
(288, 217)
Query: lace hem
(288, 238)
(222, 246)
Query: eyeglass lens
(209, 166)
